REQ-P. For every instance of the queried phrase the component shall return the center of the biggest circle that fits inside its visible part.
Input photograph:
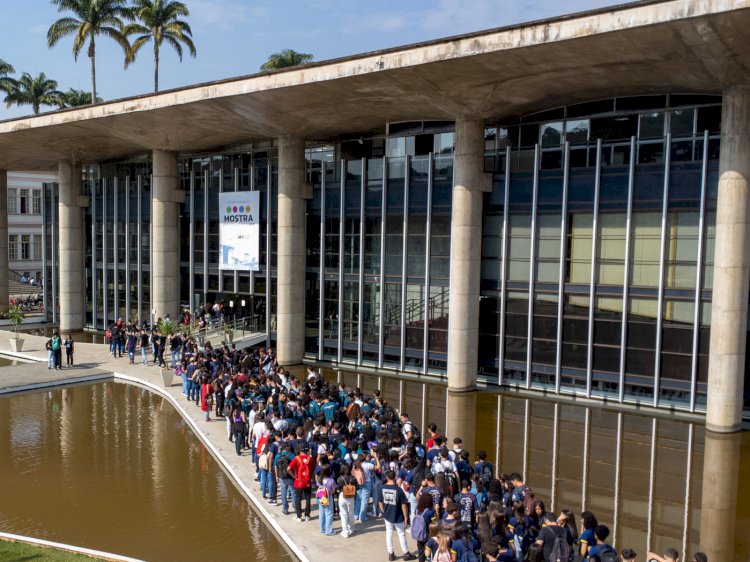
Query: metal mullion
(236, 280)
(93, 254)
(532, 259)
(105, 296)
(139, 187)
(555, 452)
(115, 249)
(423, 421)
(626, 276)
(151, 250)
(361, 291)
(269, 259)
(504, 269)
(688, 474)
(205, 236)
(662, 257)
(191, 242)
(381, 312)
(618, 476)
(401, 395)
(499, 430)
(322, 263)
(563, 257)
(54, 229)
(221, 190)
(592, 283)
(45, 293)
(404, 249)
(428, 231)
(342, 248)
(526, 431)
(252, 188)
(585, 457)
(699, 275)
(127, 248)
(651, 481)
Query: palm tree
(75, 98)
(34, 92)
(158, 22)
(93, 17)
(285, 58)
(6, 82)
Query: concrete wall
(70, 249)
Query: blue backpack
(419, 531)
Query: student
(670, 555)
(325, 496)
(395, 508)
(69, 345)
(602, 551)
(587, 539)
(628, 555)
(302, 468)
(347, 486)
(56, 345)
(552, 536)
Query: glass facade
(596, 262)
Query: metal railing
(226, 328)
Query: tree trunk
(156, 70)
(93, 73)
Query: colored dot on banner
(234, 209)
(242, 209)
(229, 209)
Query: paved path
(94, 363)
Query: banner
(239, 230)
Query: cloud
(218, 14)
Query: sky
(234, 37)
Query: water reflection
(113, 467)
(656, 482)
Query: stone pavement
(93, 363)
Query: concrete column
(469, 183)
(3, 241)
(165, 264)
(462, 419)
(70, 247)
(290, 304)
(726, 368)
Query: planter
(229, 337)
(16, 344)
(167, 376)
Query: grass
(22, 552)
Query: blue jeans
(286, 486)
(363, 496)
(144, 357)
(265, 483)
(238, 441)
(193, 391)
(377, 489)
(325, 517)
(175, 357)
(185, 383)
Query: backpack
(419, 531)
(485, 473)
(303, 473)
(607, 553)
(55, 344)
(468, 554)
(560, 548)
(282, 465)
(264, 461)
(359, 475)
(442, 557)
(322, 495)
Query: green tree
(158, 21)
(92, 18)
(285, 58)
(6, 82)
(76, 98)
(34, 91)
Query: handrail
(245, 325)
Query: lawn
(22, 552)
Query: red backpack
(303, 473)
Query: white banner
(239, 230)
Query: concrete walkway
(94, 363)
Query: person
(555, 540)
(175, 348)
(602, 552)
(347, 485)
(395, 508)
(302, 468)
(425, 511)
(238, 428)
(50, 353)
(700, 557)
(56, 345)
(206, 400)
(587, 539)
(325, 496)
(439, 548)
(670, 555)
(144, 347)
(130, 346)
(628, 555)
(68, 350)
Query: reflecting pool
(656, 482)
(114, 467)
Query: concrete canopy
(643, 47)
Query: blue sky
(234, 37)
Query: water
(47, 331)
(114, 467)
(656, 482)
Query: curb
(67, 547)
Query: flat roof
(637, 48)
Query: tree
(93, 18)
(35, 92)
(76, 98)
(158, 21)
(6, 82)
(285, 58)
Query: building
(558, 206)
(25, 226)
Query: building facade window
(23, 201)
(12, 201)
(36, 202)
(13, 247)
(25, 246)
(37, 246)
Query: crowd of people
(358, 458)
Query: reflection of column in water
(721, 462)
(461, 419)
